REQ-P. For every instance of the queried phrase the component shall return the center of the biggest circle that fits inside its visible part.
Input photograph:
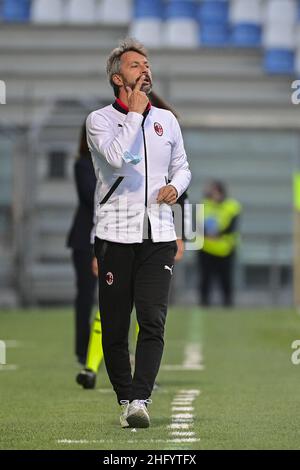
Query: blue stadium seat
(214, 35)
(246, 23)
(213, 18)
(181, 9)
(214, 12)
(279, 61)
(16, 10)
(148, 9)
(1, 10)
(246, 35)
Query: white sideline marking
(183, 416)
(12, 343)
(8, 367)
(130, 441)
(193, 355)
(182, 408)
(178, 426)
(193, 359)
(181, 420)
(83, 441)
(179, 368)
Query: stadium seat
(297, 63)
(148, 31)
(279, 35)
(246, 35)
(16, 10)
(214, 11)
(279, 11)
(279, 61)
(214, 35)
(1, 10)
(145, 9)
(147, 22)
(81, 11)
(246, 23)
(213, 18)
(114, 11)
(181, 27)
(44, 11)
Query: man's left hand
(167, 194)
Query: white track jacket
(134, 156)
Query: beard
(145, 88)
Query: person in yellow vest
(216, 258)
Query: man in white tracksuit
(139, 158)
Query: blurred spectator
(216, 258)
(79, 240)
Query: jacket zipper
(146, 166)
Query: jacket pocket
(112, 190)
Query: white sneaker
(137, 414)
(124, 411)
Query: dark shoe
(86, 378)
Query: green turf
(250, 390)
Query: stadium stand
(43, 11)
(180, 26)
(238, 125)
(214, 23)
(147, 23)
(280, 36)
(246, 23)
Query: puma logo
(168, 268)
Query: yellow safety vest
(222, 213)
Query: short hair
(113, 64)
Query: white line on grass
(178, 426)
(12, 343)
(83, 441)
(8, 367)
(182, 408)
(183, 420)
(192, 360)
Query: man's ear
(117, 79)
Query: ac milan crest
(109, 278)
(158, 129)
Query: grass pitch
(249, 389)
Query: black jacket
(79, 235)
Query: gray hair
(113, 64)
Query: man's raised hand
(137, 99)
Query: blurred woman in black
(79, 240)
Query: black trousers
(133, 274)
(85, 295)
(216, 268)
